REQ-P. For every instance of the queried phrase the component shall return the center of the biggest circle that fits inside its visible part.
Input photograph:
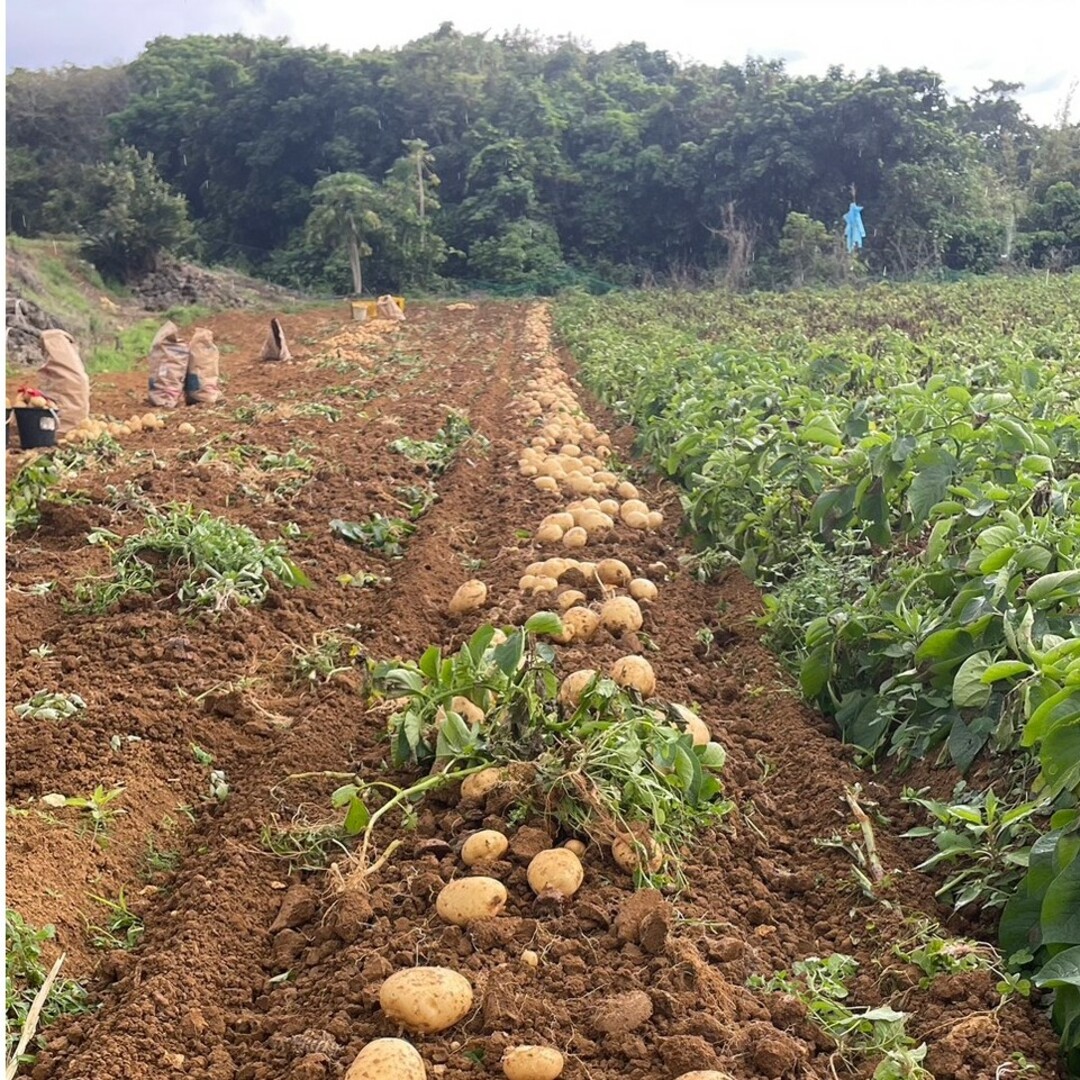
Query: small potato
(149, 420)
(534, 569)
(610, 507)
(467, 899)
(635, 673)
(655, 518)
(469, 597)
(532, 1063)
(631, 506)
(580, 483)
(554, 567)
(546, 483)
(387, 1059)
(478, 785)
(528, 469)
(573, 686)
(185, 428)
(557, 870)
(426, 999)
(549, 534)
(626, 490)
(642, 589)
(544, 585)
(530, 958)
(695, 726)
(581, 622)
(577, 847)
(576, 537)
(570, 450)
(636, 519)
(527, 581)
(613, 572)
(470, 713)
(563, 519)
(630, 853)
(483, 846)
(621, 615)
(136, 424)
(570, 598)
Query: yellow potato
(467, 899)
(629, 856)
(655, 518)
(693, 723)
(577, 847)
(581, 623)
(532, 1063)
(635, 673)
(574, 685)
(642, 589)
(546, 483)
(626, 490)
(636, 519)
(631, 506)
(387, 1059)
(701, 1074)
(470, 713)
(483, 846)
(563, 519)
(576, 537)
(469, 597)
(545, 585)
(621, 615)
(570, 598)
(479, 784)
(613, 572)
(185, 428)
(610, 507)
(549, 534)
(426, 999)
(555, 869)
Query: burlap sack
(387, 309)
(168, 367)
(63, 379)
(201, 387)
(276, 347)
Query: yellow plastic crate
(370, 308)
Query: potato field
(659, 686)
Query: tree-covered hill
(525, 162)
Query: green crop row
(899, 469)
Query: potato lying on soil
(426, 999)
(581, 623)
(643, 589)
(573, 686)
(626, 490)
(613, 572)
(576, 537)
(555, 870)
(469, 597)
(479, 784)
(483, 846)
(630, 855)
(570, 598)
(549, 534)
(467, 899)
(532, 1063)
(621, 615)
(635, 673)
(577, 847)
(387, 1059)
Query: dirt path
(245, 969)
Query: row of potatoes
(432, 999)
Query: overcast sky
(969, 42)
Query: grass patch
(132, 346)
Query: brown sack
(387, 309)
(276, 347)
(201, 387)
(168, 367)
(63, 379)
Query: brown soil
(247, 969)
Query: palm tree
(347, 209)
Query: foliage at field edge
(899, 469)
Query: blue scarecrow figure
(854, 231)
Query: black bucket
(37, 427)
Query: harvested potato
(549, 534)
(576, 537)
(656, 519)
(470, 713)
(467, 899)
(630, 853)
(636, 519)
(426, 999)
(544, 585)
(573, 686)
(563, 519)
(530, 958)
(546, 483)
(479, 784)
(185, 428)
(527, 469)
(570, 598)
(532, 1063)
(621, 615)
(527, 582)
(150, 420)
(701, 1074)
(469, 597)
(555, 870)
(581, 622)
(483, 846)
(387, 1059)
(613, 572)
(632, 506)
(571, 450)
(642, 589)
(696, 727)
(610, 507)
(626, 490)
(577, 847)
(635, 673)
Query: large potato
(635, 673)
(632, 506)
(621, 615)
(581, 623)
(555, 870)
(483, 846)
(532, 1063)
(573, 686)
(697, 727)
(479, 784)
(613, 572)
(642, 589)
(570, 598)
(467, 899)
(387, 1059)
(426, 999)
(470, 597)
